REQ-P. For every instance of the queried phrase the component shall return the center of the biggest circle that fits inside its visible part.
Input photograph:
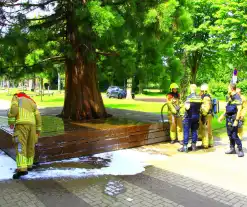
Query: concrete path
(155, 175)
(133, 115)
(198, 179)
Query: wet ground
(154, 175)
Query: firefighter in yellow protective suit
(242, 114)
(25, 118)
(175, 119)
(205, 129)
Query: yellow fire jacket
(23, 110)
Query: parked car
(115, 92)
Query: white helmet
(204, 87)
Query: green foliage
(243, 86)
(218, 89)
(162, 15)
(130, 38)
(103, 18)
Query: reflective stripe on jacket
(24, 110)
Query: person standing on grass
(25, 119)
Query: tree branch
(2, 4)
(108, 53)
(55, 58)
(114, 3)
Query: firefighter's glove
(240, 124)
(220, 119)
(38, 133)
(235, 123)
(177, 108)
(187, 106)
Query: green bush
(218, 89)
(243, 86)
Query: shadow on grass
(122, 106)
(152, 93)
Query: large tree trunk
(185, 80)
(83, 100)
(193, 75)
(196, 60)
(82, 97)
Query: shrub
(218, 89)
(243, 86)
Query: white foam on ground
(4, 105)
(7, 166)
(122, 162)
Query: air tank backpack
(215, 106)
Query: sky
(34, 13)
(29, 14)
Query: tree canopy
(111, 41)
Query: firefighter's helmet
(174, 85)
(204, 87)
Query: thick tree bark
(193, 74)
(83, 100)
(141, 84)
(196, 60)
(185, 80)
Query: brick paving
(15, 193)
(154, 187)
(132, 195)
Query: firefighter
(25, 118)
(233, 114)
(175, 119)
(243, 113)
(205, 129)
(191, 119)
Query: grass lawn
(48, 101)
(152, 107)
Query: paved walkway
(133, 115)
(197, 179)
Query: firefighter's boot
(193, 146)
(184, 148)
(231, 151)
(240, 153)
(18, 174)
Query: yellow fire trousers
(205, 132)
(25, 139)
(176, 127)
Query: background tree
(83, 31)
